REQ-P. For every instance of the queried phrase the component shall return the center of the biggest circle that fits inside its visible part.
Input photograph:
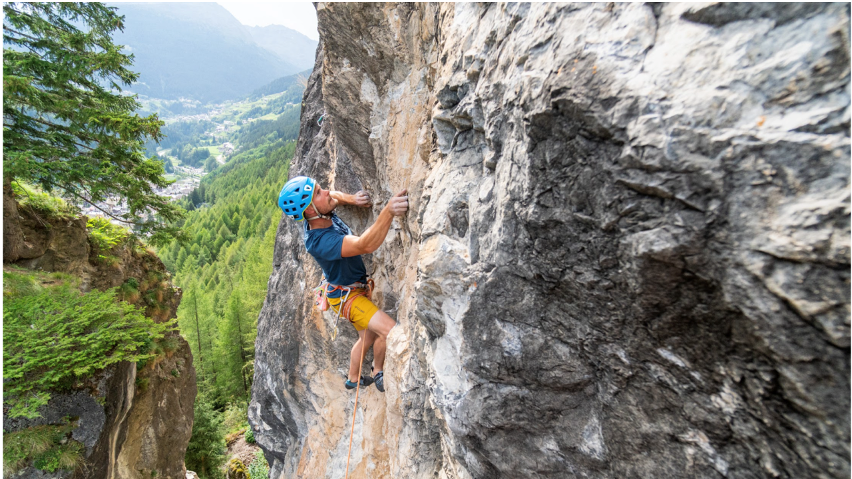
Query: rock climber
(331, 242)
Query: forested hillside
(224, 267)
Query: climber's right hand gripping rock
(398, 204)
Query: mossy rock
(237, 470)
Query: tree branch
(19, 33)
(72, 193)
(67, 130)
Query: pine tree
(67, 127)
(233, 336)
(205, 452)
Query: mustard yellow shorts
(361, 311)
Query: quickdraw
(352, 292)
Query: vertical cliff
(627, 253)
(134, 422)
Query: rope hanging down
(355, 409)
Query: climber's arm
(373, 237)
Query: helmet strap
(319, 215)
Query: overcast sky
(300, 16)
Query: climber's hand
(398, 205)
(362, 198)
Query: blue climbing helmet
(296, 195)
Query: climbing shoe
(365, 381)
(379, 379)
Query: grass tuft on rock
(42, 203)
(46, 447)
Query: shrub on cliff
(104, 235)
(54, 335)
(40, 202)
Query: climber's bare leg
(379, 349)
(380, 325)
(355, 355)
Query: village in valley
(186, 178)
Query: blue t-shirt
(325, 245)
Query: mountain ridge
(291, 46)
(197, 51)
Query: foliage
(236, 417)
(105, 235)
(152, 348)
(19, 281)
(237, 470)
(291, 85)
(67, 126)
(178, 134)
(211, 164)
(66, 456)
(142, 383)
(206, 450)
(129, 290)
(250, 436)
(259, 468)
(54, 335)
(285, 127)
(29, 196)
(169, 344)
(224, 270)
(43, 446)
(233, 436)
(20, 447)
(190, 156)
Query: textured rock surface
(627, 253)
(130, 431)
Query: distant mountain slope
(294, 85)
(195, 50)
(290, 45)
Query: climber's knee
(381, 323)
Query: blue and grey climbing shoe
(365, 381)
(379, 379)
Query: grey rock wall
(627, 254)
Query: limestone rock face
(627, 253)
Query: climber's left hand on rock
(362, 198)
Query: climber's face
(323, 201)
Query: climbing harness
(351, 292)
